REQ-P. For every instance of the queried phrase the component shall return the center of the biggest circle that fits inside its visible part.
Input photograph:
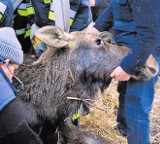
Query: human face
(9, 68)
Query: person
(14, 128)
(23, 20)
(136, 25)
(97, 7)
(80, 17)
(6, 13)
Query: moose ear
(53, 36)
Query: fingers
(112, 75)
(93, 30)
(92, 2)
(120, 75)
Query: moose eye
(99, 42)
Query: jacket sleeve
(105, 20)
(147, 25)
(83, 17)
(6, 13)
(41, 12)
(102, 3)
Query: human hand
(92, 30)
(92, 3)
(120, 75)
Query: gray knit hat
(10, 47)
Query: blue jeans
(138, 103)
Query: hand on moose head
(120, 75)
(92, 30)
(92, 2)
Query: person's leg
(138, 103)
(13, 127)
(122, 125)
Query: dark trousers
(122, 92)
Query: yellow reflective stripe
(26, 12)
(51, 15)
(20, 31)
(28, 32)
(22, 12)
(71, 21)
(47, 1)
(25, 9)
(30, 10)
(1, 16)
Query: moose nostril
(98, 42)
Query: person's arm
(147, 26)
(146, 16)
(6, 13)
(105, 20)
(41, 13)
(83, 16)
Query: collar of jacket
(8, 81)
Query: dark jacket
(6, 13)
(136, 25)
(6, 93)
(81, 7)
(99, 7)
(23, 19)
(102, 3)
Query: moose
(75, 66)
